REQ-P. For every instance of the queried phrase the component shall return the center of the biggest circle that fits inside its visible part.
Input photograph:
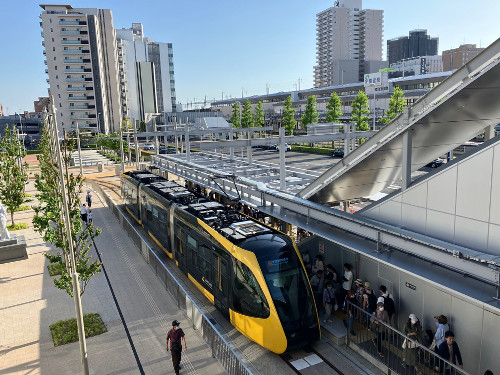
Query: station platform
(30, 303)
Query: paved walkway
(29, 303)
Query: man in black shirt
(175, 335)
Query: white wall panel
(391, 212)
(495, 187)
(474, 186)
(440, 225)
(414, 217)
(471, 233)
(442, 191)
(490, 360)
(494, 239)
(416, 196)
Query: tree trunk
(12, 217)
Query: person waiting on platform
(369, 301)
(329, 301)
(441, 327)
(318, 265)
(349, 306)
(317, 282)
(376, 325)
(450, 351)
(346, 281)
(413, 330)
(358, 295)
(307, 262)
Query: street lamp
(98, 122)
(21, 124)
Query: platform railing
(220, 348)
(385, 344)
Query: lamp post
(99, 123)
(22, 133)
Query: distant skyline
(224, 48)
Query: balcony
(87, 106)
(78, 79)
(46, 71)
(74, 42)
(74, 32)
(73, 61)
(78, 98)
(72, 51)
(76, 89)
(83, 115)
(72, 23)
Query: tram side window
(193, 251)
(248, 298)
(205, 254)
(149, 214)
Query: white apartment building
(348, 43)
(146, 71)
(82, 65)
(416, 66)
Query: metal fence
(221, 349)
(392, 349)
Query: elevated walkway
(449, 115)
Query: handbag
(405, 344)
(433, 345)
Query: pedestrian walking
(88, 198)
(174, 336)
(83, 213)
(89, 217)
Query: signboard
(386, 70)
(411, 286)
(373, 79)
(321, 247)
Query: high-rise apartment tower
(146, 73)
(82, 64)
(348, 43)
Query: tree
(310, 115)
(396, 105)
(359, 111)
(288, 120)
(13, 172)
(334, 107)
(126, 125)
(142, 126)
(246, 115)
(258, 116)
(235, 116)
(49, 221)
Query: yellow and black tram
(252, 273)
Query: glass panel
(248, 298)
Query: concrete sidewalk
(29, 303)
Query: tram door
(221, 289)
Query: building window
(51, 30)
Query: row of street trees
(359, 112)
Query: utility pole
(76, 283)
(122, 156)
(137, 152)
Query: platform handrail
(392, 347)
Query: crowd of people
(360, 303)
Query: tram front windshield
(285, 279)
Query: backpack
(372, 301)
(389, 305)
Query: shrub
(17, 226)
(66, 331)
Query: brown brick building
(41, 103)
(456, 58)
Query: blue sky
(223, 46)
